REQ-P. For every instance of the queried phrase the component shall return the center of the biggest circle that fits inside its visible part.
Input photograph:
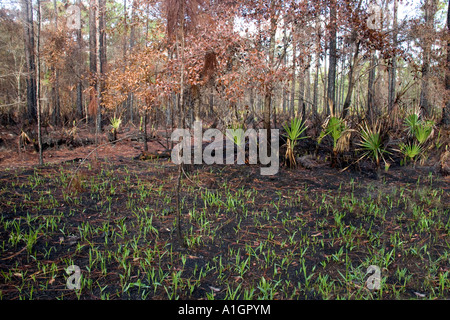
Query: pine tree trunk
(99, 68)
(446, 109)
(145, 129)
(101, 60)
(316, 88)
(183, 119)
(351, 82)
(80, 63)
(331, 91)
(301, 90)
(285, 95)
(393, 68)
(269, 88)
(92, 58)
(430, 8)
(130, 102)
(27, 13)
(294, 66)
(371, 87)
(38, 86)
(325, 108)
(317, 68)
(55, 89)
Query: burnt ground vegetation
(306, 233)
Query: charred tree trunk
(101, 60)
(92, 58)
(351, 81)
(145, 129)
(27, 16)
(294, 66)
(56, 115)
(130, 100)
(331, 91)
(371, 87)
(269, 86)
(430, 8)
(79, 107)
(317, 68)
(38, 78)
(446, 109)
(301, 90)
(393, 68)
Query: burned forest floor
(301, 234)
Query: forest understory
(305, 233)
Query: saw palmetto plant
(372, 143)
(419, 129)
(334, 128)
(412, 122)
(115, 125)
(236, 134)
(419, 132)
(410, 151)
(294, 133)
(340, 134)
(423, 131)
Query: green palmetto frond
(411, 122)
(419, 129)
(410, 150)
(115, 123)
(372, 144)
(295, 131)
(335, 127)
(423, 131)
(236, 134)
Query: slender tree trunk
(331, 91)
(93, 58)
(80, 99)
(340, 84)
(325, 108)
(99, 68)
(183, 119)
(101, 60)
(285, 95)
(55, 88)
(145, 129)
(446, 109)
(125, 105)
(294, 67)
(132, 44)
(301, 90)
(80, 63)
(308, 85)
(27, 14)
(341, 95)
(393, 68)
(430, 8)
(38, 79)
(371, 87)
(317, 68)
(351, 82)
(316, 87)
(269, 86)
